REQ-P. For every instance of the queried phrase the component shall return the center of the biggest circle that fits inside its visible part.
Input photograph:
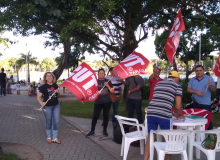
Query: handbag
(113, 97)
(210, 142)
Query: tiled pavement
(22, 122)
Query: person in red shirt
(153, 79)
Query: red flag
(216, 70)
(83, 83)
(172, 42)
(134, 64)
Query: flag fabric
(83, 83)
(134, 64)
(216, 69)
(172, 42)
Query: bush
(59, 82)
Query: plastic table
(190, 124)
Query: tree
(22, 61)
(48, 64)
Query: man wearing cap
(153, 79)
(201, 86)
(159, 111)
(3, 81)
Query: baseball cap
(174, 74)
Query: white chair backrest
(176, 140)
(123, 120)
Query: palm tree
(3, 40)
(22, 61)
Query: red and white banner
(216, 70)
(134, 64)
(83, 83)
(172, 42)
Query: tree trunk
(17, 75)
(174, 64)
(130, 47)
(67, 50)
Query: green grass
(77, 109)
(9, 156)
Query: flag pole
(49, 98)
(107, 82)
(160, 56)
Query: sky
(35, 44)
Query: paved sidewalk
(23, 123)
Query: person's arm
(58, 93)
(134, 90)
(39, 99)
(151, 78)
(211, 85)
(6, 81)
(111, 89)
(178, 106)
(199, 93)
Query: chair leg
(161, 155)
(211, 155)
(122, 145)
(142, 146)
(126, 148)
(152, 152)
(184, 155)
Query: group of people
(159, 111)
(163, 94)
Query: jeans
(52, 116)
(115, 111)
(206, 107)
(97, 110)
(3, 88)
(135, 104)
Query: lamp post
(26, 66)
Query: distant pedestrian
(18, 88)
(3, 81)
(40, 81)
(63, 87)
(51, 109)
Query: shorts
(153, 122)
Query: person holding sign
(102, 102)
(200, 87)
(51, 106)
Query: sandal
(56, 141)
(49, 141)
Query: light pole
(26, 66)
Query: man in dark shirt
(3, 81)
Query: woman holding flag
(102, 102)
(51, 106)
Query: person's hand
(129, 92)
(209, 83)
(175, 115)
(106, 84)
(120, 80)
(181, 117)
(58, 90)
(99, 92)
(199, 93)
(43, 104)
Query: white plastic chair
(128, 138)
(210, 153)
(175, 143)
